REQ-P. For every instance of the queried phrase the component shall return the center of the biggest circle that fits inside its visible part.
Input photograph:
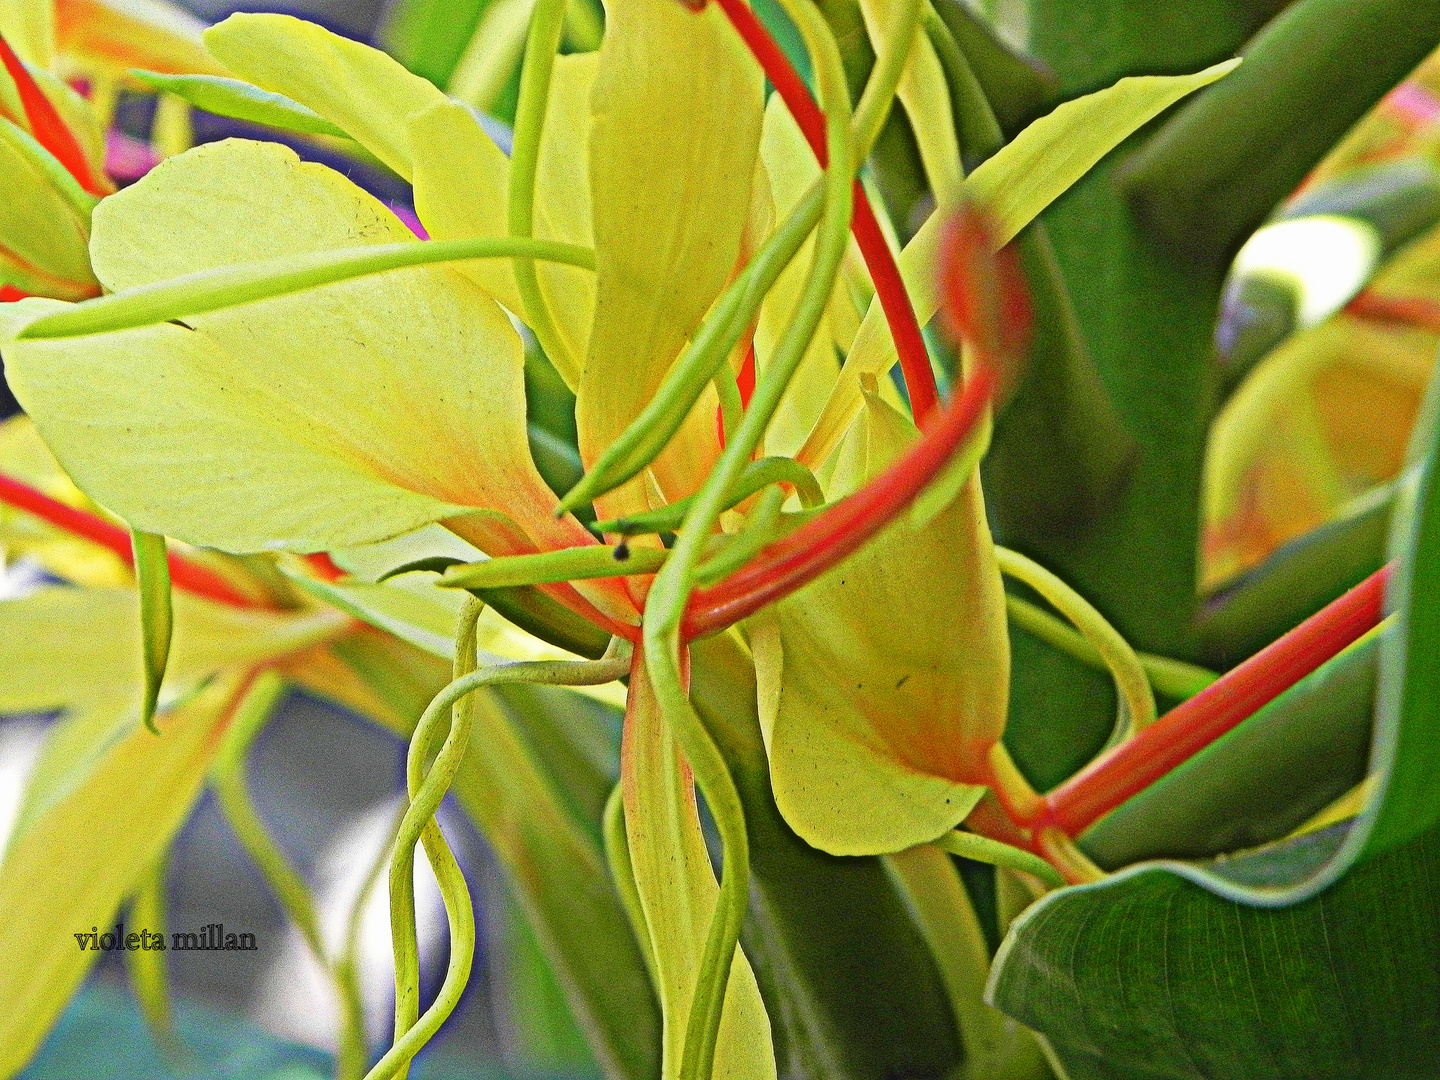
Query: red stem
(824, 541)
(889, 287)
(184, 574)
(1193, 725)
(45, 123)
(1418, 311)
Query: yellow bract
(884, 684)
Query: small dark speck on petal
(622, 551)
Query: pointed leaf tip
(157, 616)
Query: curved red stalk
(1418, 311)
(45, 123)
(1193, 725)
(9, 294)
(889, 287)
(184, 574)
(824, 541)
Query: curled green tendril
(757, 476)
(983, 849)
(1172, 678)
(426, 790)
(541, 44)
(228, 286)
(1136, 698)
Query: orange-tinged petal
(336, 417)
(885, 682)
(123, 34)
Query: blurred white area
(295, 999)
(20, 743)
(1327, 258)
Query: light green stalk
(541, 44)
(228, 286)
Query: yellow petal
(25, 457)
(359, 89)
(29, 27)
(68, 868)
(885, 682)
(1323, 418)
(677, 108)
(926, 98)
(792, 169)
(38, 227)
(678, 894)
(123, 34)
(336, 417)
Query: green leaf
(1147, 976)
(241, 101)
(1260, 780)
(157, 615)
(429, 36)
(1307, 78)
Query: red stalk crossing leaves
(185, 574)
(46, 126)
(889, 287)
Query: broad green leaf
(1014, 185)
(559, 880)
(1147, 976)
(241, 101)
(358, 89)
(1308, 77)
(334, 418)
(678, 893)
(68, 868)
(157, 616)
(429, 36)
(883, 686)
(672, 159)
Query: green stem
(760, 529)
(666, 605)
(982, 849)
(228, 286)
(1171, 678)
(1130, 678)
(757, 476)
(541, 44)
(549, 567)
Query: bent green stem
(1137, 699)
(229, 286)
(541, 43)
(1169, 677)
(426, 790)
